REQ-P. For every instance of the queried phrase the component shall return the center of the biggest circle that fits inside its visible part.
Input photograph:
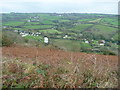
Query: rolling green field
(70, 45)
(112, 21)
(50, 31)
(78, 28)
(37, 26)
(81, 27)
(13, 23)
(33, 37)
(106, 31)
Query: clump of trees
(106, 51)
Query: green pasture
(34, 37)
(38, 26)
(113, 21)
(50, 31)
(69, 45)
(81, 27)
(13, 23)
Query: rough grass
(58, 72)
(69, 45)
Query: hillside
(48, 67)
(59, 50)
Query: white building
(24, 35)
(38, 33)
(46, 40)
(65, 36)
(15, 30)
(4, 26)
(29, 21)
(86, 41)
(101, 42)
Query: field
(50, 31)
(38, 26)
(81, 27)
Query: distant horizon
(58, 13)
(60, 6)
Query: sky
(60, 6)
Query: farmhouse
(80, 34)
(4, 26)
(86, 41)
(65, 36)
(28, 20)
(46, 40)
(101, 42)
(24, 35)
(16, 30)
(38, 33)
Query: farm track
(53, 56)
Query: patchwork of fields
(69, 27)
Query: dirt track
(30, 54)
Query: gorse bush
(6, 41)
(0, 38)
(106, 51)
(9, 38)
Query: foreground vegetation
(63, 73)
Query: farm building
(46, 41)
(65, 36)
(86, 41)
(101, 42)
(29, 21)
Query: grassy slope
(70, 45)
(13, 23)
(103, 30)
(50, 31)
(81, 27)
(38, 26)
(51, 68)
(113, 21)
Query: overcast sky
(60, 6)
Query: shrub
(106, 51)
(9, 38)
(6, 41)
